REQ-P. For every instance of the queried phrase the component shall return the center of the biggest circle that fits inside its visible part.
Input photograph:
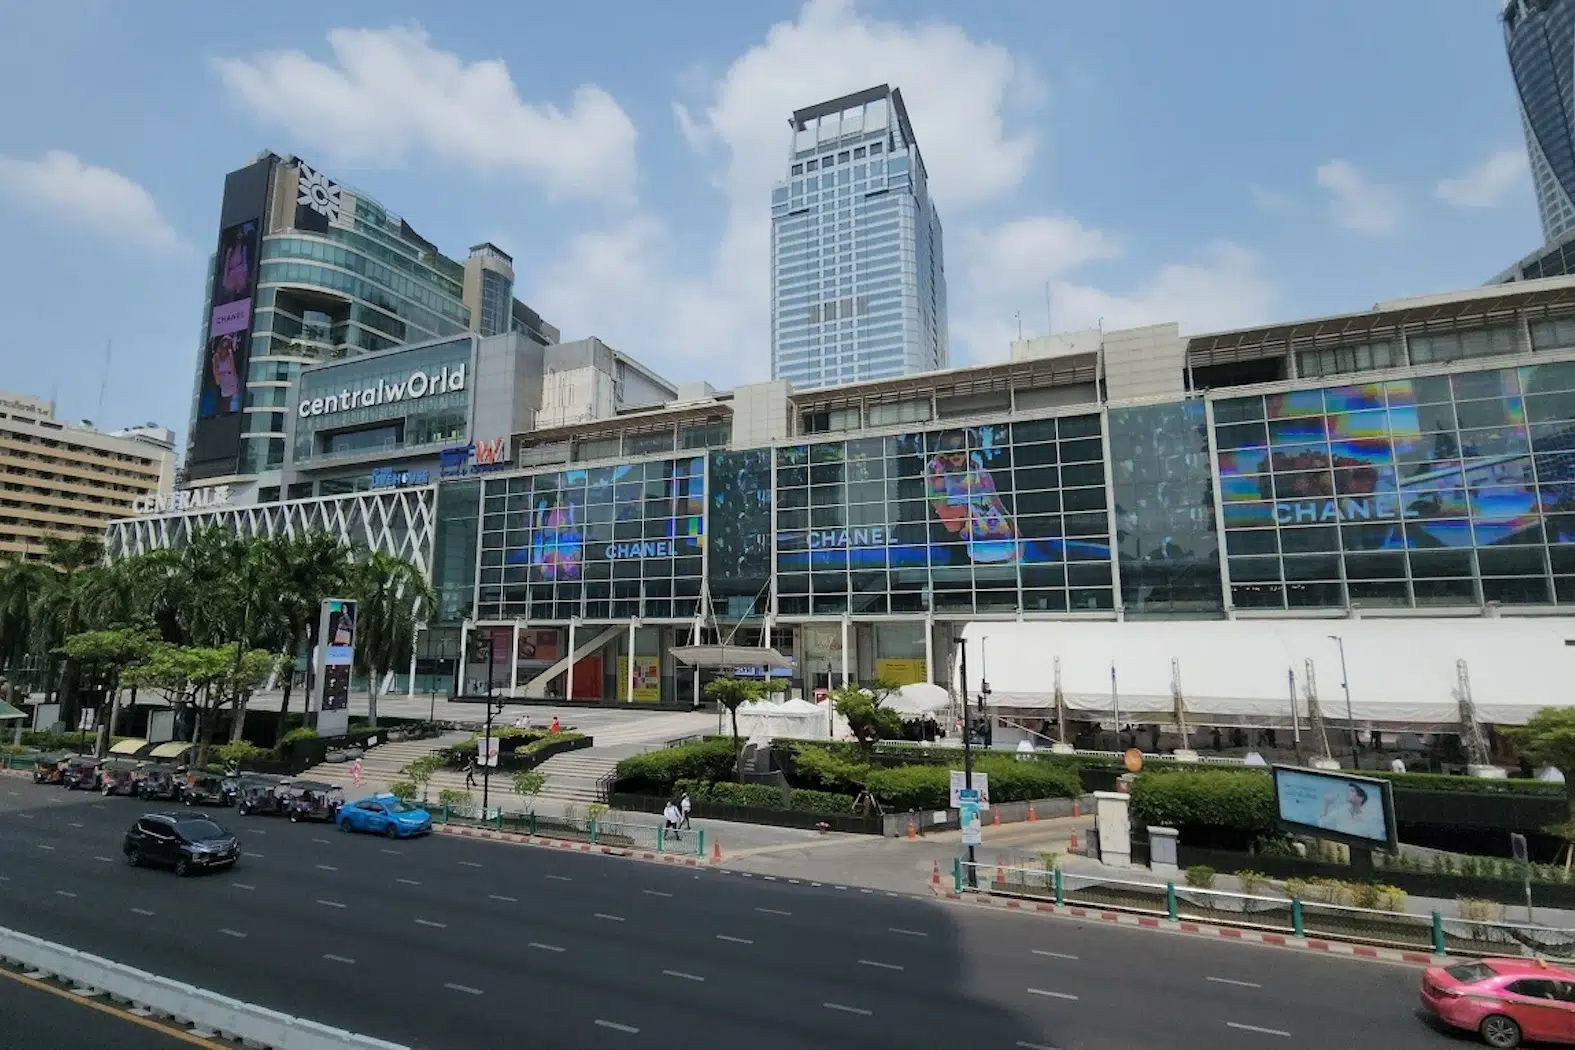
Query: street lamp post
(1350, 717)
(973, 871)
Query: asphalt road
(32, 1018)
(444, 943)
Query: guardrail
(1431, 931)
(10, 761)
(187, 1004)
(595, 830)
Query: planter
(782, 818)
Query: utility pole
(973, 871)
(1350, 717)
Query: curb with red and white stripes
(569, 844)
(1228, 933)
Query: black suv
(180, 841)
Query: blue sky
(1217, 163)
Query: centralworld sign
(419, 384)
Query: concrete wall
(507, 387)
(1145, 362)
(762, 414)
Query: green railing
(1422, 931)
(597, 831)
(10, 761)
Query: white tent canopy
(1402, 671)
(919, 698)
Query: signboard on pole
(981, 784)
(968, 812)
(335, 655)
(488, 751)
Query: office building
(63, 480)
(1539, 36)
(858, 275)
(308, 270)
(1202, 511)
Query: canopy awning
(9, 713)
(171, 749)
(718, 657)
(127, 747)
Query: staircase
(572, 776)
(381, 765)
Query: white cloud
(1269, 199)
(60, 185)
(1486, 185)
(388, 93)
(1358, 204)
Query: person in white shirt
(670, 816)
(683, 806)
(1397, 766)
(1361, 815)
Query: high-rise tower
(1540, 38)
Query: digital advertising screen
(1352, 809)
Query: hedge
(1213, 798)
(765, 796)
(657, 772)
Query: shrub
(596, 810)
(1252, 882)
(1200, 877)
(1296, 888)
(765, 796)
(1051, 859)
(913, 787)
(656, 772)
(1215, 798)
(1365, 894)
(1390, 898)
(804, 800)
(241, 751)
(298, 733)
(403, 789)
(454, 799)
(1477, 910)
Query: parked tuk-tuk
(119, 776)
(261, 793)
(81, 773)
(207, 789)
(50, 767)
(313, 800)
(159, 782)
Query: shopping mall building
(1382, 499)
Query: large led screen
(1325, 804)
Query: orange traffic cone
(935, 875)
(1000, 876)
(1031, 815)
(716, 853)
(912, 832)
(1077, 810)
(996, 817)
(1071, 847)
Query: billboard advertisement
(647, 679)
(221, 386)
(1356, 810)
(336, 626)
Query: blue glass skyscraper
(1540, 38)
(858, 277)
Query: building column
(514, 662)
(464, 658)
(846, 623)
(694, 639)
(568, 688)
(929, 649)
(628, 668)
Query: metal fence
(23, 761)
(596, 831)
(1294, 916)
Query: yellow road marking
(114, 1011)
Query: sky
(1218, 164)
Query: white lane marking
(14, 794)
(1033, 1046)
(25, 816)
(501, 897)
(469, 864)
(409, 882)
(340, 959)
(656, 893)
(879, 965)
(243, 885)
(331, 904)
(233, 933)
(849, 1009)
(76, 825)
(467, 989)
(682, 976)
(323, 841)
(609, 918)
(106, 860)
(774, 911)
(1255, 1028)
(142, 911)
(42, 845)
(627, 1029)
(733, 940)
(560, 878)
(546, 947)
(1052, 995)
(907, 933)
(326, 867)
(434, 925)
(255, 831)
(771, 878)
(255, 856)
(64, 893)
(839, 887)
(1054, 955)
(5, 878)
(1238, 984)
(395, 852)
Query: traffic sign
(488, 751)
(981, 783)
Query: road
(445, 943)
(31, 1017)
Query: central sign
(183, 500)
(420, 384)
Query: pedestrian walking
(670, 815)
(470, 772)
(683, 809)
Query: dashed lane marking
(501, 897)
(326, 867)
(142, 911)
(409, 882)
(560, 878)
(849, 1009)
(907, 933)
(340, 959)
(609, 918)
(434, 925)
(1055, 955)
(1052, 995)
(879, 965)
(1254, 1028)
(1238, 984)
(233, 933)
(733, 940)
(331, 904)
(657, 893)
(467, 989)
(64, 893)
(469, 864)
(243, 885)
(546, 947)
(683, 976)
(774, 911)
(627, 1029)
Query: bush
(1210, 798)
(657, 772)
(765, 796)
(298, 733)
(1252, 882)
(454, 799)
(403, 789)
(1200, 877)
(1296, 888)
(241, 752)
(907, 788)
(1477, 910)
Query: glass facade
(988, 519)
(602, 543)
(1438, 490)
(739, 519)
(415, 424)
(857, 269)
(1166, 539)
(1540, 38)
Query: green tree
(310, 568)
(21, 583)
(1548, 738)
(528, 784)
(422, 770)
(205, 678)
(111, 651)
(392, 596)
(733, 693)
(867, 719)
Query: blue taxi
(385, 814)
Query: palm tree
(66, 604)
(311, 568)
(21, 582)
(392, 596)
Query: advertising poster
(968, 816)
(981, 785)
(336, 658)
(539, 645)
(1347, 808)
(647, 679)
(900, 671)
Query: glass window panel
(1092, 599)
(1310, 539)
(1077, 475)
(1315, 595)
(1510, 561)
(1252, 570)
(1033, 430)
(1515, 591)
(1386, 566)
(1082, 451)
(1252, 541)
(1438, 563)
(1294, 404)
(1444, 592)
(1309, 567)
(1048, 600)
(1090, 574)
(1237, 410)
(1242, 435)
(789, 477)
(1078, 427)
(1258, 596)
(1084, 499)
(1039, 576)
(1387, 594)
(1297, 431)
(1489, 385)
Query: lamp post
(973, 871)
(1350, 717)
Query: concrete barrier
(197, 1007)
(895, 825)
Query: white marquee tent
(1403, 672)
